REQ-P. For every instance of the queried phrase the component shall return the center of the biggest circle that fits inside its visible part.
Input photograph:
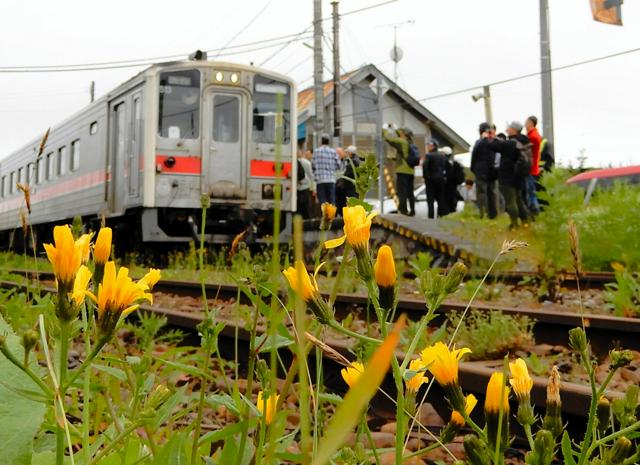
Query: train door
(133, 163)
(117, 155)
(224, 145)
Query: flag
(607, 11)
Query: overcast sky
(452, 45)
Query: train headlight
(219, 76)
(234, 78)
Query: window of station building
(75, 154)
(93, 128)
(265, 109)
(179, 104)
(51, 166)
(62, 161)
(41, 170)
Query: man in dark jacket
(434, 169)
(483, 168)
(346, 186)
(511, 184)
(454, 178)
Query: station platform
(431, 234)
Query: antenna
(396, 52)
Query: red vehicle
(604, 178)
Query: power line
(512, 79)
(247, 26)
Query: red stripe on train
(182, 165)
(267, 169)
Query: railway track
(551, 328)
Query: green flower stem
(527, 431)
(587, 443)
(119, 438)
(333, 324)
(9, 355)
(87, 361)
(65, 329)
(86, 388)
(474, 426)
(367, 431)
(612, 436)
(422, 451)
(341, 268)
(414, 342)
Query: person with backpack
(434, 171)
(345, 186)
(306, 186)
(515, 165)
(454, 177)
(483, 167)
(407, 158)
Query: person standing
(325, 164)
(454, 177)
(402, 142)
(434, 171)
(536, 141)
(306, 186)
(345, 186)
(483, 167)
(510, 179)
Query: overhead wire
(247, 26)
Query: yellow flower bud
(469, 404)
(520, 380)
(497, 394)
(102, 247)
(267, 406)
(385, 267)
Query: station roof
(368, 72)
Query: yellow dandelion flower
(352, 373)
(385, 267)
(267, 406)
(118, 295)
(520, 380)
(497, 393)
(80, 285)
(151, 278)
(443, 362)
(66, 255)
(418, 378)
(306, 287)
(328, 211)
(357, 228)
(469, 404)
(102, 247)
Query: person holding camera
(407, 158)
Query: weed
(623, 296)
(493, 334)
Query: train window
(20, 175)
(265, 108)
(12, 182)
(179, 104)
(93, 128)
(75, 154)
(62, 161)
(41, 170)
(226, 118)
(51, 166)
(3, 186)
(30, 172)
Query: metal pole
(545, 68)
(379, 150)
(488, 112)
(337, 118)
(317, 71)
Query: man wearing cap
(325, 164)
(345, 186)
(434, 171)
(511, 184)
(404, 172)
(483, 167)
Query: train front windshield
(179, 109)
(270, 97)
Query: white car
(422, 208)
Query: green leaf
(230, 452)
(115, 372)
(20, 417)
(353, 201)
(175, 451)
(273, 342)
(227, 431)
(167, 408)
(216, 400)
(567, 451)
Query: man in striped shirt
(325, 164)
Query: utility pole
(337, 118)
(92, 91)
(545, 69)
(379, 148)
(488, 112)
(318, 71)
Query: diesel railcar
(144, 155)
